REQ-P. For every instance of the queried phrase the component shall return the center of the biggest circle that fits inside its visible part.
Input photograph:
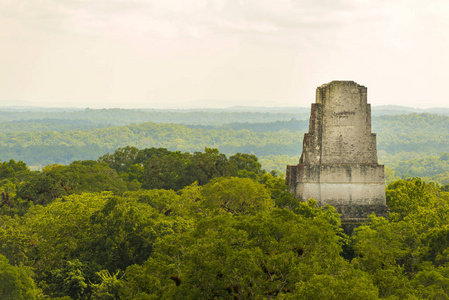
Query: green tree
(203, 167)
(121, 159)
(240, 256)
(165, 172)
(248, 165)
(125, 231)
(58, 232)
(431, 282)
(279, 191)
(70, 280)
(16, 282)
(235, 195)
(347, 284)
(80, 176)
(17, 241)
(109, 287)
(405, 196)
(14, 171)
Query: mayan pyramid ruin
(338, 165)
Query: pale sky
(220, 53)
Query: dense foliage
(157, 224)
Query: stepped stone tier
(338, 165)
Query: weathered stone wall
(338, 165)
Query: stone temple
(338, 165)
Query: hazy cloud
(203, 18)
(226, 15)
(220, 49)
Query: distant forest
(40, 137)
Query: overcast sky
(219, 53)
